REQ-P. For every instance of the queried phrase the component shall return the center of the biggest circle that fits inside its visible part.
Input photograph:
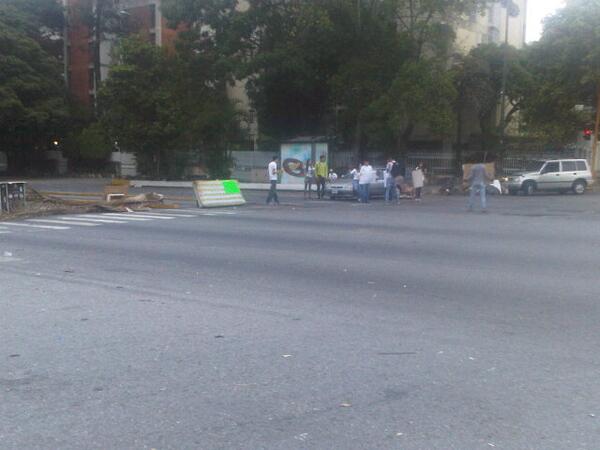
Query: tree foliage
(333, 67)
(33, 106)
(160, 104)
(479, 84)
(566, 62)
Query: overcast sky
(536, 11)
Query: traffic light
(587, 134)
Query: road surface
(314, 325)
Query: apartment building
(137, 15)
(491, 27)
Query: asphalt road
(314, 325)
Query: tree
(319, 67)
(33, 106)
(566, 61)
(419, 94)
(479, 85)
(91, 145)
(160, 104)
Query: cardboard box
(490, 168)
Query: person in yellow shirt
(321, 171)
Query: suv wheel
(579, 187)
(528, 188)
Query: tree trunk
(458, 151)
(356, 142)
(403, 141)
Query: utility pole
(596, 131)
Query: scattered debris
(14, 355)
(219, 336)
(399, 434)
(301, 436)
(345, 405)
(471, 358)
(44, 204)
(286, 356)
(592, 415)
(8, 254)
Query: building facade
(490, 28)
(140, 16)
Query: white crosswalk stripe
(125, 217)
(30, 225)
(91, 219)
(166, 214)
(152, 216)
(213, 212)
(65, 222)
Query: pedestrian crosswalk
(67, 222)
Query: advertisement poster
(293, 159)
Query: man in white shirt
(390, 182)
(273, 174)
(365, 177)
(355, 175)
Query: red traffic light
(587, 133)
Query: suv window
(581, 165)
(551, 167)
(569, 166)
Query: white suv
(557, 175)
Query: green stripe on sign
(231, 187)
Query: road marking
(4, 232)
(150, 216)
(65, 222)
(124, 217)
(29, 225)
(202, 212)
(92, 219)
(166, 214)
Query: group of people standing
(317, 174)
(394, 181)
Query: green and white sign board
(212, 194)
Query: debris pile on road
(42, 204)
